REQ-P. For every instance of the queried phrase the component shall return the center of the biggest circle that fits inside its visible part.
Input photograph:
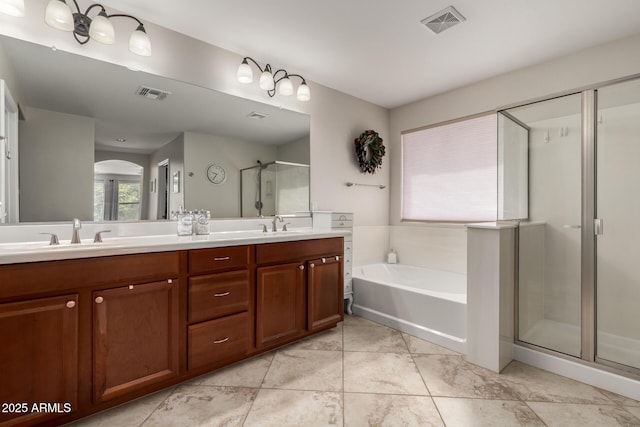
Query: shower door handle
(572, 226)
(597, 226)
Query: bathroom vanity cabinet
(82, 335)
(299, 289)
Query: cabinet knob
(312, 265)
(301, 267)
(221, 341)
(337, 258)
(99, 300)
(130, 287)
(71, 304)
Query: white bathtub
(430, 304)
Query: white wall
(200, 151)
(56, 166)
(336, 118)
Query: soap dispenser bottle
(392, 257)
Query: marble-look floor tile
(581, 415)
(295, 408)
(194, 405)
(419, 346)
(353, 320)
(248, 373)
(482, 412)
(132, 414)
(330, 340)
(452, 376)
(633, 410)
(393, 373)
(305, 370)
(389, 410)
(534, 384)
(622, 400)
(373, 338)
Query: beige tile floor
(365, 374)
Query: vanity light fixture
(270, 80)
(12, 7)
(99, 28)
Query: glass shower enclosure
(274, 188)
(578, 280)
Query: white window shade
(449, 172)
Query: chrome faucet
(273, 223)
(75, 238)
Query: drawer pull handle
(99, 300)
(222, 258)
(224, 294)
(71, 304)
(221, 341)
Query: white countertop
(14, 253)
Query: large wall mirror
(97, 141)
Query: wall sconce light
(269, 80)
(12, 7)
(99, 28)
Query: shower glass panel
(513, 168)
(549, 281)
(618, 207)
(276, 188)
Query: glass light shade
(101, 29)
(304, 94)
(58, 15)
(266, 81)
(139, 42)
(12, 7)
(286, 87)
(245, 75)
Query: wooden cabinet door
(281, 308)
(135, 337)
(325, 290)
(38, 359)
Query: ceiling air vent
(151, 93)
(257, 115)
(443, 20)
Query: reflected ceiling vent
(151, 93)
(257, 116)
(443, 20)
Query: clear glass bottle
(185, 223)
(201, 222)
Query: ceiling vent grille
(443, 20)
(151, 93)
(256, 115)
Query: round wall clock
(216, 174)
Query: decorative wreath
(369, 151)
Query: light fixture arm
(277, 76)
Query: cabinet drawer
(216, 340)
(218, 295)
(300, 250)
(218, 259)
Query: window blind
(449, 172)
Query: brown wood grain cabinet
(220, 306)
(296, 297)
(38, 358)
(94, 333)
(135, 336)
(281, 306)
(326, 293)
